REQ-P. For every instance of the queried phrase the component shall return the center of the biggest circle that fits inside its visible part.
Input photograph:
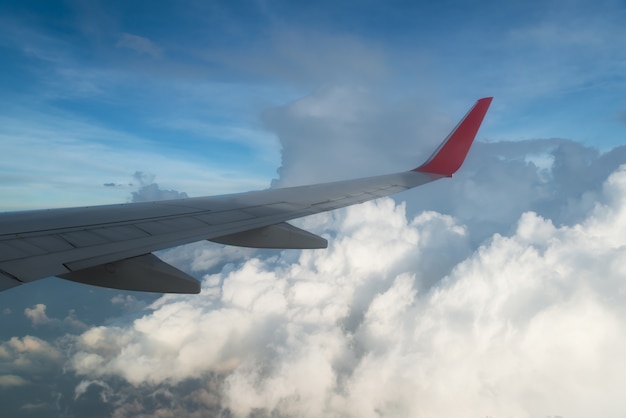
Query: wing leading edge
(111, 245)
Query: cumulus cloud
(202, 257)
(29, 355)
(38, 316)
(150, 191)
(530, 324)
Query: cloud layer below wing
(524, 326)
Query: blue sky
(499, 292)
(95, 91)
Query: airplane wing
(112, 245)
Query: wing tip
(450, 155)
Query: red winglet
(451, 153)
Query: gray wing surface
(112, 245)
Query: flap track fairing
(146, 273)
(279, 236)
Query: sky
(499, 292)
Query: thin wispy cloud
(139, 44)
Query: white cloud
(29, 355)
(207, 256)
(37, 314)
(530, 324)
